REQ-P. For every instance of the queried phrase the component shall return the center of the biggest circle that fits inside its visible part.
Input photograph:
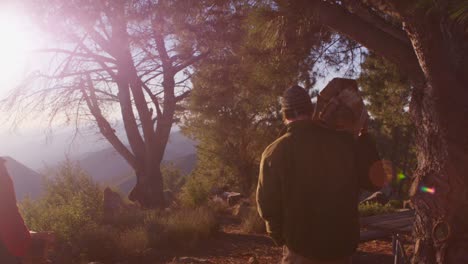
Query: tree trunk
(440, 190)
(440, 110)
(148, 191)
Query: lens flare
(400, 177)
(427, 189)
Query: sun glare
(16, 43)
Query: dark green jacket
(308, 189)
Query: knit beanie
(297, 99)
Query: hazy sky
(18, 38)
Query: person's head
(296, 104)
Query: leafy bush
(71, 202)
(397, 204)
(369, 209)
(195, 192)
(253, 223)
(218, 206)
(107, 244)
(130, 218)
(133, 241)
(72, 208)
(183, 229)
(173, 178)
(99, 243)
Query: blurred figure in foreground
(14, 236)
(310, 179)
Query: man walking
(309, 185)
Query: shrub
(99, 243)
(369, 209)
(71, 205)
(173, 178)
(218, 206)
(253, 223)
(130, 218)
(133, 241)
(195, 192)
(72, 208)
(107, 244)
(71, 202)
(397, 204)
(183, 229)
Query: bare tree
(118, 59)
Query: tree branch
(364, 12)
(337, 18)
(182, 96)
(153, 98)
(104, 126)
(189, 62)
(85, 55)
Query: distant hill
(26, 181)
(109, 168)
(39, 150)
(101, 162)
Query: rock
(233, 198)
(253, 260)
(114, 204)
(377, 197)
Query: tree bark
(440, 110)
(148, 191)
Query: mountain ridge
(27, 182)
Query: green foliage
(233, 108)
(71, 202)
(130, 218)
(195, 192)
(72, 208)
(370, 209)
(96, 243)
(397, 204)
(218, 206)
(134, 241)
(459, 13)
(183, 229)
(173, 179)
(387, 92)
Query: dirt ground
(232, 246)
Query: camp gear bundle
(338, 97)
